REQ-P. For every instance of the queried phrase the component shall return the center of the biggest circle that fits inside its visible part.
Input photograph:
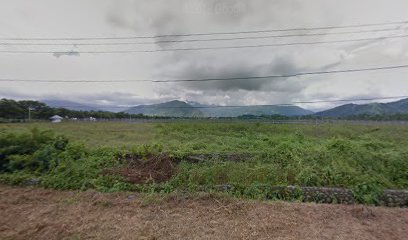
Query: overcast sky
(126, 18)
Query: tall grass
(363, 158)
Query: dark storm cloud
(278, 66)
(212, 16)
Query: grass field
(211, 134)
(364, 158)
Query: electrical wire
(216, 33)
(208, 79)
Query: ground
(35, 213)
(246, 155)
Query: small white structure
(56, 119)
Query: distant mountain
(81, 107)
(68, 105)
(193, 109)
(370, 109)
(216, 111)
(168, 109)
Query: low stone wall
(325, 195)
(389, 198)
(394, 198)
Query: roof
(56, 117)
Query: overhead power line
(193, 40)
(205, 48)
(208, 79)
(215, 33)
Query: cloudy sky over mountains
(126, 18)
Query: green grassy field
(364, 158)
(211, 135)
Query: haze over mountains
(167, 109)
(193, 109)
(400, 106)
(81, 107)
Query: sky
(129, 18)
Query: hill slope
(168, 109)
(193, 109)
(68, 105)
(54, 103)
(214, 111)
(370, 109)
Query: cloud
(201, 68)
(100, 99)
(109, 18)
(70, 53)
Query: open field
(196, 156)
(33, 213)
(231, 135)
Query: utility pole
(29, 113)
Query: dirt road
(32, 213)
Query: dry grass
(30, 213)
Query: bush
(277, 156)
(59, 163)
(33, 151)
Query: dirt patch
(152, 169)
(160, 168)
(33, 213)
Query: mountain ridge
(174, 110)
(351, 109)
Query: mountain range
(81, 107)
(68, 105)
(346, 110)
(193, 109)
(168, 109)
(235, 111)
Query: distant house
(56, 119)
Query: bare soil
(155, 168)
(34, 213)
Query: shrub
(59, 163)
(33, 151)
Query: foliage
(366, 159)
(57, 162)
(11, 110)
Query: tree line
(19, 110)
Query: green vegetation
(16, 111)
(169, 109)
(55, 161)
(386, 110)
(246, 156)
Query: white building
(56, 119)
